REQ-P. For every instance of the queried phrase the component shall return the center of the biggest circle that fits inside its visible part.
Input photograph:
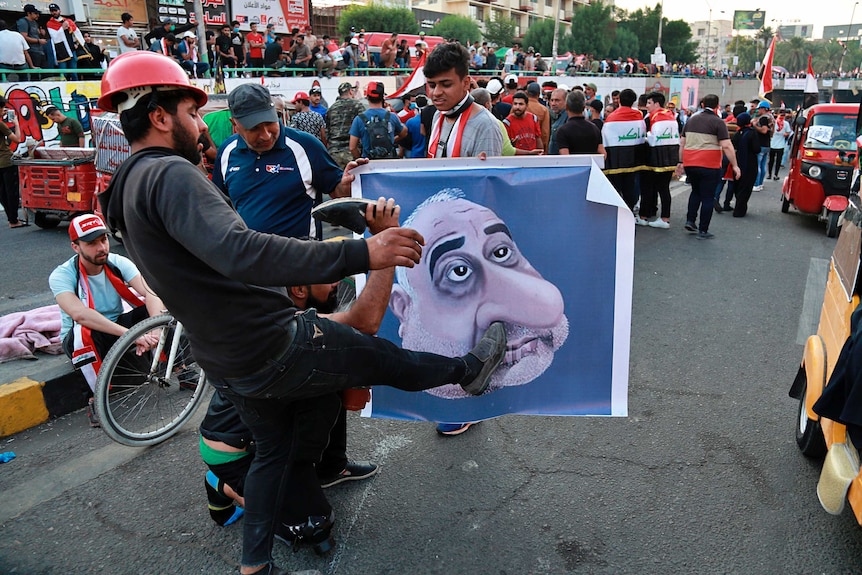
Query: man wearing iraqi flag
(624, 137)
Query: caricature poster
(546, 247)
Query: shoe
(449, 429)
(717, 208)
(355, 471)
(775, 177)
(640, 221)
(490, 351)
(92, 416)
(705, 236)
(690, 226)
(317, 532)
(659, 223)
(727, 208)
(757, 189)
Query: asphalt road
(703, 476)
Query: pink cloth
(25, 332)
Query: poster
(285, 14)
(545, 246)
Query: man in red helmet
(268, 359)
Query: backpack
(380, 142)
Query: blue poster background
(569, 241)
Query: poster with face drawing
(546, 247)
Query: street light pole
(708, 36)
(847, 39)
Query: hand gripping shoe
(490, 351)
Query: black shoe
(355, 471)
(690, 226)
(727, 208)
(717, 208)
(490, 351)
(705, 236)
(317, 532)
(92, 416)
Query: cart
(57, 184)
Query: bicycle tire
(137, 402)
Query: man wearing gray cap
(273, 174)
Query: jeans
(323, 357)
(703, 182)
(655, 186)
(70, 64)
(762, 158)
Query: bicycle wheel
(143, 400)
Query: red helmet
(139, 73)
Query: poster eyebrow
(441, 249)
(498, 227)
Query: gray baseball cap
(250, 105)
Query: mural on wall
(30, 99)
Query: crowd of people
(274, 437)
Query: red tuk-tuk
(57, 184)
(822, 159)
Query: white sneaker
(659, 223)
(640, 221)
(757, 189)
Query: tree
(375, 18)
(626, 42)
(593, 30)
(461, 28)
(676, 42)
(541, 36)
(744, 49)
(792, 54)
(500, 31)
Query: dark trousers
(775, 160)
(743, 189)
(9, 197)
(703, 183)
(626, 187)
(655, 186)
(277, 401)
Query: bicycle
(143, 400)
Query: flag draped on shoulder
(765, 73)
(663, 140)
(624, 138)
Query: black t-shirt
(224, 45)
(579, 135)
(271, 54)
(764, 139)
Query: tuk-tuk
(816, 436)
(56, 184)
(822, 159)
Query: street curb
(35, 398)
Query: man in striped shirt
(703, 140)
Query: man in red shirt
(256, 44)
(523, 126)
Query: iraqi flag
(415, 80)
(811, 95)
(765, 74)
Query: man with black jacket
(223, 281)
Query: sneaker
(660, 224)
(640, 221)
(92, 416)
(490, 351)
(355, 471)
(317, 532)
(776, 177)
(690, 226)
(448, 429)
(717, 208)
(757, 189)
(705, 236)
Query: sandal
(20, 224)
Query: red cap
(375, 89)
(87, 228)
(300, 96)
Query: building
(843, 32)
(712, 39)
(796, 30)
(524, 12)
